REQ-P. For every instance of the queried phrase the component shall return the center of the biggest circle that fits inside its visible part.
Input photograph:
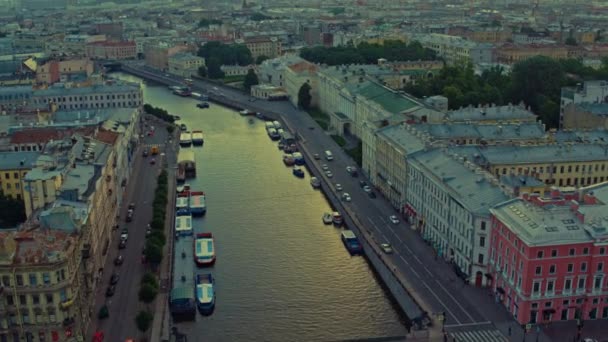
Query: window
(6, 280)
(567, 285)
(572, 251)
(548, 304)
(16, 175)
(49, 298)
(581, 283)
(19, 279)
(553, 253)
(483, 225)
(36, 299)
(22, 300)
(46, 278)
(10, 300)
(585, 251)
(552, 269)
(536, 287)
(480, 258)
(538, 270)
(583, 267)
(7, 175)
(550, 286)
(539, 254)
(600, 267)
(570, 268)
(33, 279)
(482, 241)
(597, 283)
(602, 251)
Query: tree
(304, 97)
(147, 293)
(202, 71)
(214, 70)
(207, 22)
(251, 79)
(153, 252)
(12, 213)
(571, 41)
(261, 59)
(144, 320)
(149, 278)
(259, 17)
(234, 54)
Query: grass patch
(320, 117)
(339, 140)
(233, 79)
(356, 153)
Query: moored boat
(327, 218)
(181, 201)
(203, 104)
(180, 177)
(204, 249)
(272, 133)
(351, 242)
(183, 222)
(315, 182)
(197, 203)
(337, 218)
(298, 158)
(298, 172)
(288, 160)
(205, 293)
(197, 138)
(185, 139)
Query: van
(328, 155)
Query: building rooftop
(18, 160)
(402, 138)
(476, 130)
(477, 192)
(594, 108)
(37, 246)
(491, 113)
(390, 100)
(59, 89)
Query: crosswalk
(492, 335)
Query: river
(281, 274)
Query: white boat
(183, 223)
(185, 139)
(315, 182)
(181, 202)
(327, 219)
(337, 218)
(197, 203)
(277, 125)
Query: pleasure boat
(337, 218)
(205, 294)
(298, 172)
(327, 218)
(197, 203)
(204, 250)
(351, 242)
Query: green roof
(391, 101)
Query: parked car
(346, 197)
(114, 279)
(110, 291)
(152, 161)
(325, 167)
(145, 153)
(367, 188)
(338, 187)
(352, 171)
(362, 183)
(394, 219)
(316, 156)
(329, 174)
(130, 215)
(118, 261)
(371, 194)
(132, 205)
(122, 244)
(124, 235)
(386, 247)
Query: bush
(103, 312)
(158, 237)
(144, 320)
(147, 293)
(153, 252)
(150, 279)
(170, 129)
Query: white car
(346, 197)
(325, 167)
(124, 235)
(386, 247)
(394, 219)
(329, 174)
(367, 189)
(338, 187)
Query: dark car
(114, 279)
(122, 244)
(118, 261)
(371, 194)
(110, 291)
(362, 183)
(129, 215)
(153, 161)
(132, 206)
(144, 153)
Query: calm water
(282, 275)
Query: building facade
(55, 70)
(112, 50)
(586, 95)
(13, 168)
(262, 46)
(185, 64)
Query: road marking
(428, 271)
(455, 301)
(416, 257)
(467, 324)
(440, 301)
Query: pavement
(432, 281)
(124, 305)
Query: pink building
(112, 50)
(549, 256)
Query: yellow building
(586, 115)
(13, 167)
(185, 64)
(511, 54)
(490, 35)
(262, 46)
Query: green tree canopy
(251, 79)
(226, 54)
(202, 71)
(144, 320)
(366, 53)
(304, 97)
(214, 68)
(261, 59)
(208, 22)
(536, 76)
(149, 278)
(153, 252)
(147, 293)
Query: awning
(500, 290)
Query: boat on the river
(273, 134)
(203, 104)
(183, 127)
(315, 182)
(183, 222)
(181, 201)
(298, 172)
(298, 158)
(181, 188)
(197, 138)
(337, 218)
(180, 176)
(182, 91)
(351, 242)
(204, 250)
(288, 160)
(205, 295)
(197, 203)
(185, 139)
(246, 112)
(327, 218)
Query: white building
(448, 202)
(588, 92)
(271, 70)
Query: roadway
(124, 304)
(431, 282)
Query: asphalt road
(124, 304)
(434, 281)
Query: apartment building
(296, 75)
(13, 168)
(62, 70)
(262, 46)
(114, 50)
(185, 64)
(456, 49)
(584, 105)
(448, 201)
(157, 54)
(548, 256)
(511, 53)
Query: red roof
(106, 136)
(44, 135)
